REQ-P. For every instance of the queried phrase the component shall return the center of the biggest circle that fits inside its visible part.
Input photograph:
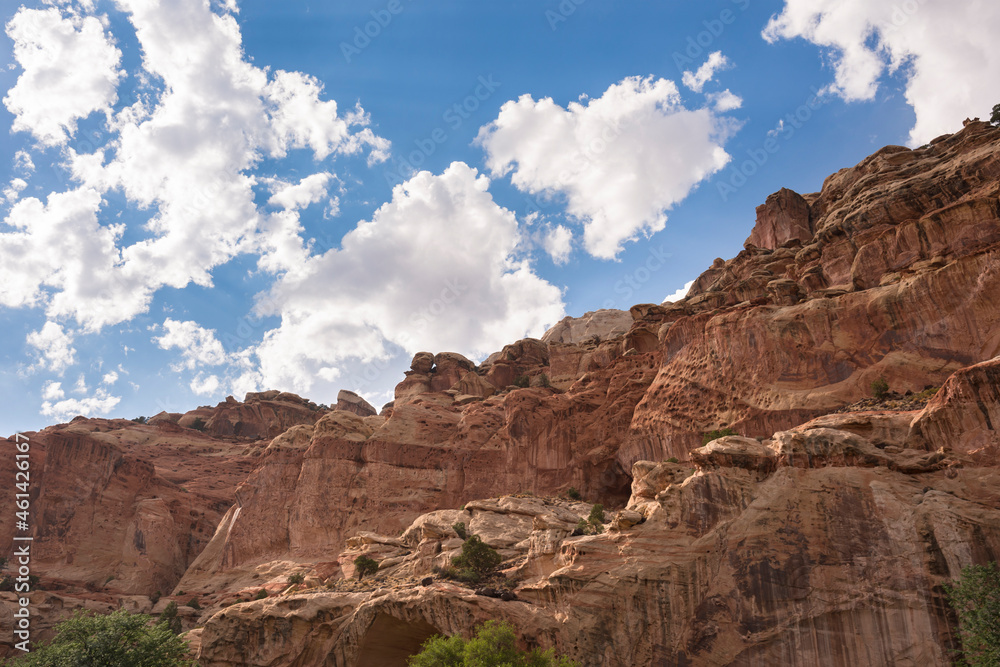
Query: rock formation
(821, 534)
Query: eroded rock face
(598, 325)
(348, 401)
(964, 415)
(813, 537)
(899, 280)
(797, 550)
(782, 220)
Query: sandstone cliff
(815, 537)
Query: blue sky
(203, 199)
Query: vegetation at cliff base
(477, 560)
(169, 620)
(975, 597)
(715, 435)
(495, 645)
(459, 529)
(365, 566)
(880, 388)
(118, 639)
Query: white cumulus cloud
(309, 190)
(680, 293)
(100, 404)
(697, 80)
(55, 347)
(205, 385)
(185, 152)
(52, 391)
(945, 50)
(620, 160)
(435, 268)
(558, 243)
(199, 346)
(70, 69)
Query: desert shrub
(365, 566)
(477, 556)
(193, 603)
(995, 117)
(459, 529)
(543, 380)
(139, 420)
(596, 518)
(494, 645)
(521, 381)
(198, 424)
(119, 639)
(880, 388)
(155, 597)
(975, 597)
(261, 594)
(296, 578)
(572, 493)
(714, 435)
(168, 619)
(582, 528)
(672, 459)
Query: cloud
(205, 385)
(680, 293)
(23, 163)
(183, 152)
(558, 243)
(435, 268)
(308, 191)
(70, 70)
(54, 345)
(199, 346)
(621, 160)
(945, 50)
(52, 391)
(74, 267)
(100, 404)
(14, 189)
(725, 101)
(109, 378)
(697, 80)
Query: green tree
(975, 597)
(880, 388)
(495, 645)
(169, 619)
(596, 518)
(365, 566)
(118, 639)
(995, 118)
(714, 435)
(477, 556)
(459, 529)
